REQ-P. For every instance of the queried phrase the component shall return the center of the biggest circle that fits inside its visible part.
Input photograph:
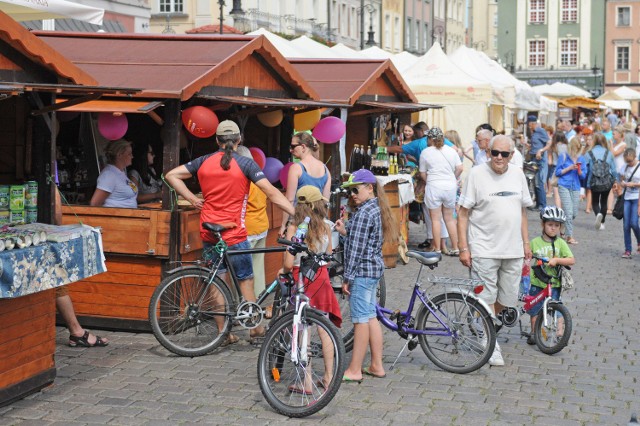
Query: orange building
(622, 44)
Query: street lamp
(437, 30)
(370, 41)
(477, 45)
(221, 3)
(371, 9)
(596, 72)
(508, 56)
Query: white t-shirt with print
(632, 193)
(495, 205)
(440, 164)
(122, 191)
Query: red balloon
(284, 174)
(200, 121)
(258, 156)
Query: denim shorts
(363, 299)
(241, 263)
(533, 291)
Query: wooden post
(170, 134)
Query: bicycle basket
(309, 267)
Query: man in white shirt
(482, 138)
(492, 228)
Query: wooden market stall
(31, 75)
(380, 102)
(236, 76)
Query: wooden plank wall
(27, 341)
(123, 292)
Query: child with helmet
(550, 246)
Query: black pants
(599, 203)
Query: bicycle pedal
(394, 315)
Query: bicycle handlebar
(295, 248)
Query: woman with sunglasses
(143, 173)
(370, 225)
(308, 171)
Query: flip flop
(295, 389)
(231, 339)
(369, 373)
(345, 379)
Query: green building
(546, 41)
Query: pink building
(622, 44)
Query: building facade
(483, 26)
(547, 41)
(622, 56)
(417, 26)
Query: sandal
(83, 341)
(571, 241)
(426, 243)
(257, 338)
(453, 253)
(231, 339)
(268, 312)
(295, 389)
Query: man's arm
(524, 229)
(463, 244)
(275, 196)
(176, 178)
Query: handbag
(566, 279)
(618, 208)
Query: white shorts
(501, 278)
(435, 198)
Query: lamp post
(369, 8)
(479, 45)
(596, 72)
(221, 3)
(437, 30)
(508, 56)
(370, 41)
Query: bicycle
(291, 382)
(192, 310)
(454, 328)
(553, 326)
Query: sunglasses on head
(504, 154)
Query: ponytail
(227, 143)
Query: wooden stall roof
(368, 82)
(183, 66)
(578, 102)
(31, 47)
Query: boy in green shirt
(549, 246)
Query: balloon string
(51, 180)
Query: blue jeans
(241, 263)
(630, 222)
(363, 299)
(570, 201)
(541, 180)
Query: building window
(425, 37)
(495, 19)
(171, 6)
(396, 34)
(568, 53)
(537, 13)
(408, 33)
(387, 32)
(569, 11)
(417, 36)
(537, 53)
(624, 17)
(622, 57)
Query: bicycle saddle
(425, 257)
(215, 227)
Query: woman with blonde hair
(114, 188)
(569, 171)
(308, 171)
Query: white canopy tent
(621, 93)
(347, 52)
(313, 49)
(374, 52)
(560, 90)
(26, 10)
(283, 45)
(404, 60)
(465, 100)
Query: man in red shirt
(225, 179)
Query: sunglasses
(353, 190)
(293, 146)
(504, 154)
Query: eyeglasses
(353, 190)
(293, 146)
(504, 154)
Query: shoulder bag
(618, 208)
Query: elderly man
(568, 130)
(225, 177)
(539, 139)
(492, 228)
(482, 138)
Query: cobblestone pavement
(592, 381)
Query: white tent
(560, 90)
(435, 79)
(283, 45)
(313, 49)
(621, 93)
(347, 52)
(29, 10)
(615, 104)
(374, 52)
(404, 60)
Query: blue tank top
(306, 179)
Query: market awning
(112, 105)
(28, 10)
(398, 106)
(578, 102)
(274, 102)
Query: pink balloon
(284, 174)
(272, 169)
(112, 127)
(329, 130)
(258, 156)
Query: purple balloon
(329, 130)
(284, 175)
(272, 169)
(112, 127)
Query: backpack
(601, 178)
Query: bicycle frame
(531, 301)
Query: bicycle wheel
(343, 301)
(185, 320)
(554, 336)
(470, 338)
(299, 390)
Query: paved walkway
(594, 381)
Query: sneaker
(598, 221)
(496, 359)
(638, 248)
(602, 227)
(626, 255)
(531, 340)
